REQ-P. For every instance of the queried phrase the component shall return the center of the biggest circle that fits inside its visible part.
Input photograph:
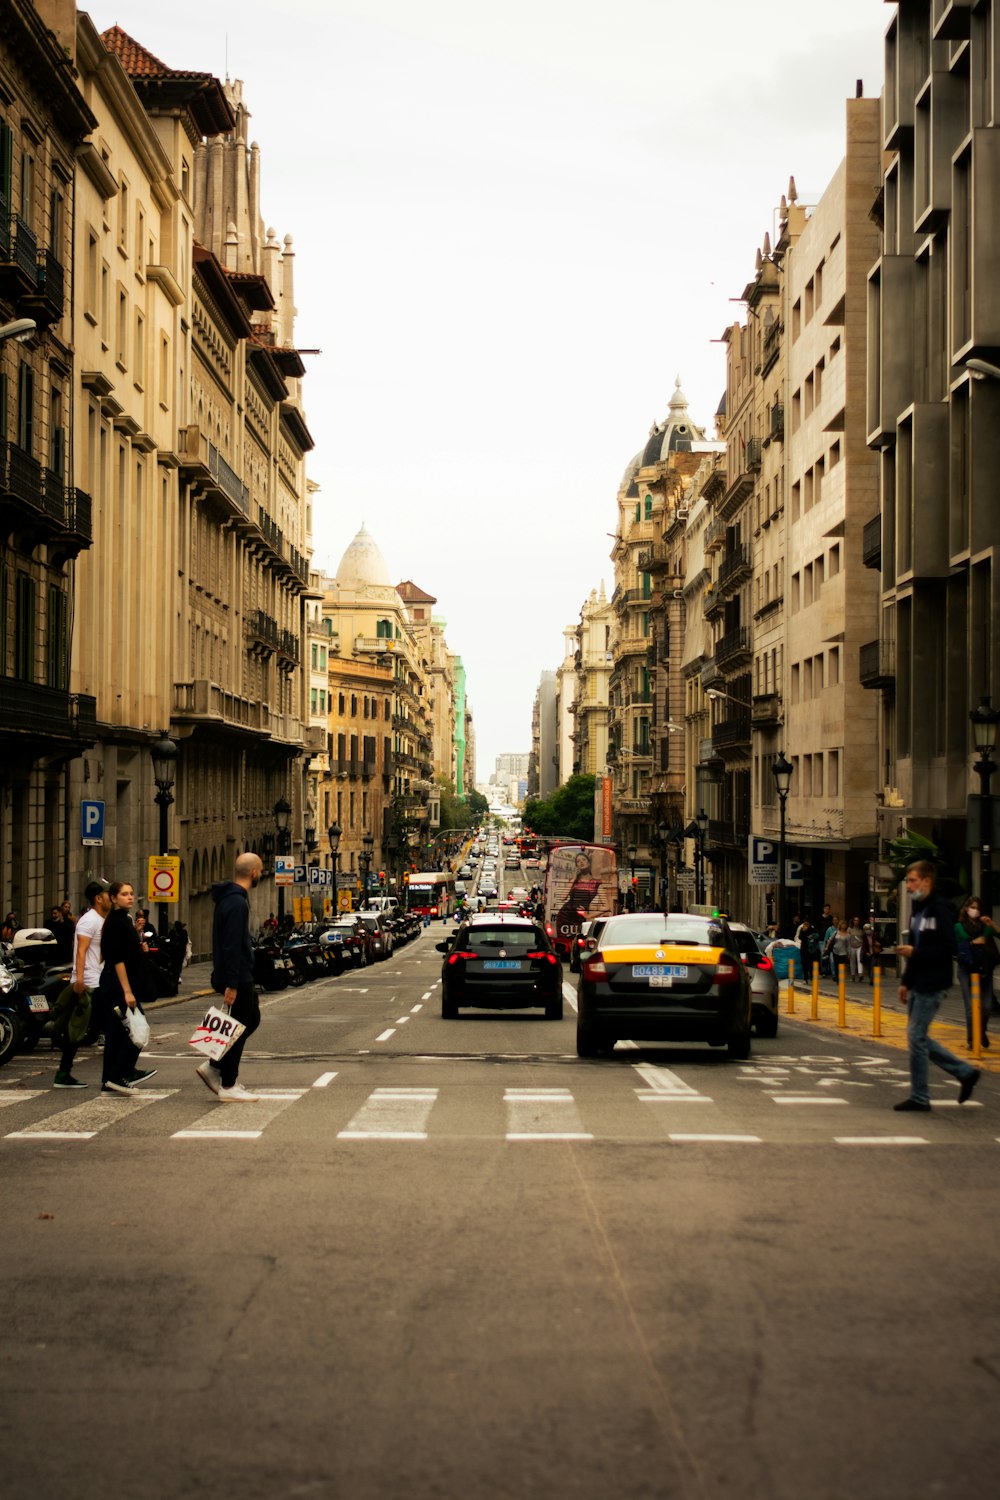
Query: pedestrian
(809, 948)
(10, 925)
(62, 931)
(87, 965)
(975, 935)
(927, 977)
(125, 983)
(232, 975)
(179, 948)
(837, 949)
(856, 942)
(871, 948)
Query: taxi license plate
(501, 963)
(38, 1003)
(659, 973)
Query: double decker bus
(431, 893)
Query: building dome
(362, 565)
(677, 434)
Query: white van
(384, 903)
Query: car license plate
(38, 1003)
(502, 963)
(659, 973)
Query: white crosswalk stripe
(86, 1120)
(392, 1115)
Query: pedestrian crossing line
(390, 1032)
(84, 1121)
(664, 1084)
(324, 1080)
(543, 1115)
(392, 1114)
(805, 1099)
(954, 1104)
(249, 1120)
(16, 1098)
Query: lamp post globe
(782, 771)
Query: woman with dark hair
(977, 954)
(125, 983)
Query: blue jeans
(922, 1010)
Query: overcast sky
(514, 226)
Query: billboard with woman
(581, 882)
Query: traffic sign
(794, 873)
(300, 875)
(763, 861)
(163, 878)
(92, 823)
(284, 869)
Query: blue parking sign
(92, 823)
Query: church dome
(362, 565)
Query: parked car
(500, 962)
(350, 933)
(763, 979)
(382, 943)
(589, 933)
(677, 978)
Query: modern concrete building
(934, 309)
(543, 762)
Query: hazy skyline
(512, 232)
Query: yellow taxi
(673, 978)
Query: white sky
(514, 225)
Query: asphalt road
(449, 1259)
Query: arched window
(648, 507)
(383, 630)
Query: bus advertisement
(431, 893)
(581, 883)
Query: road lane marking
(386, 1034)
(543, 1115)
(427, 996)
(324, 1080)
(249, 1122)
(569, 995)
(85, 1120)
(808, 1099)
(664, 1081)
(754, 1140)
(415, 1008)
(13, 1098)
(393, 1115)
(880, 1140)
(954, 1104)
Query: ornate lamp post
(164, 755)
(365, 862)
(984, 732)
(333, 834)
(309, 831)
(782, 771)
(282, 817)
(701, 818)
(663, 837)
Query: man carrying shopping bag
(232, 976)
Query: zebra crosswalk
(646, 1103)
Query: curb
(859, 1027)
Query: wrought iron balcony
(778, 420)
(713, 603)
(877, 664)
(47, 301)
(34, 712)
(263, 630)
(753, 454)
(736, 566)
(871, 543)
(18, 258)
(732, 731)
(210, 475)
(715, 535)
(734, 645)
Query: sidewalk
(949, 1027)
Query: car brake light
(548, 929)
(454, 957)
(763, 962)
(727, 972)
(595, 968)
(434, 911)
(544, 953)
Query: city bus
(431, 894)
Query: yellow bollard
(842, 996)
(876, 1001)
(814, 1008)
(790, 992)
(977, 1018)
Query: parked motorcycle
(271, 969)
(30, 984)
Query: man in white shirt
(87, 964)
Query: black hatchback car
(500, 962)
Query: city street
(450, 1259)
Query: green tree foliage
(568, 813)
(479, 808)
(461, 812)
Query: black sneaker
(116, 1088)
(67, 1081)
(139, 1075)
(968, 1084)
(915, 1104)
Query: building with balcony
(429, 633)
(594, 660)
(934, 305)
(831, 598)
(47, 721)
(566, 706)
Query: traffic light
(635, 882)
(381, 877)
(406, 878)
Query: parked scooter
(30, 984)
(271, 969)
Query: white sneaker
(236, 1095)
(209, 1075)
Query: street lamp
(781, 770)
(701, 818)
(282, 817)
(663, 835)
(365, 861)
(333, 834)
(309, 831)
(164, 755)
(984, 734)
(21, 329)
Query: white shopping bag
(216, 1034)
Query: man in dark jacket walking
(928, 974)
(232, 975)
